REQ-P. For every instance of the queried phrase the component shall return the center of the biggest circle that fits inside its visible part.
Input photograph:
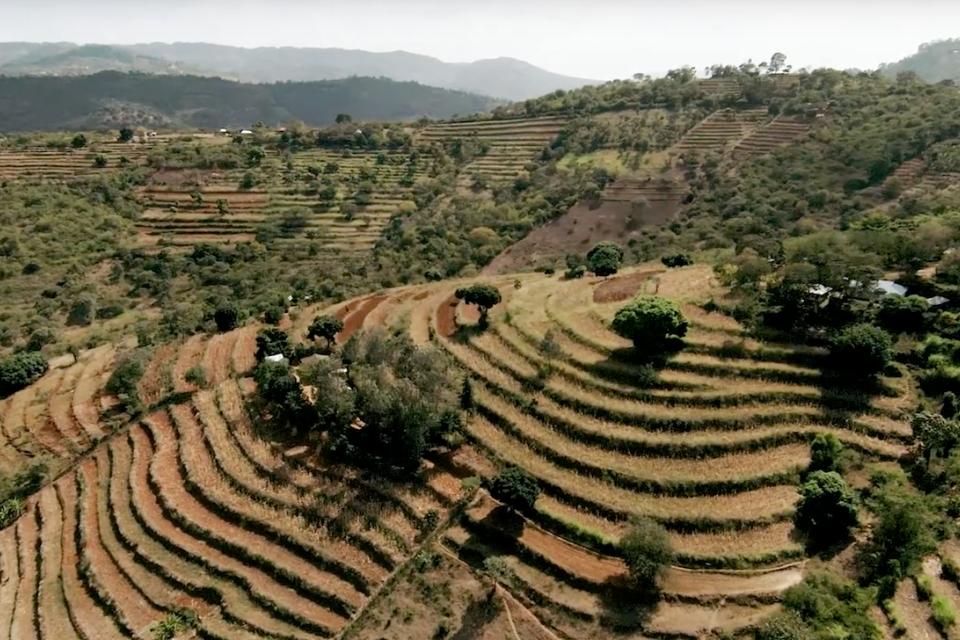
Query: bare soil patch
(622, 287)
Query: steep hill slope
(933, 62)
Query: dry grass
(746, 506)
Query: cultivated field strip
(286, 206)
(57, 417)
(780, 131)
(46, 165)
(720, 130)
(511, 144)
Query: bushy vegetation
(653, 324)
(484, 296)
(647, 551)
(21, 370)
(827, 509)
(515, 487)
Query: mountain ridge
(502, 77)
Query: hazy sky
(591, 38)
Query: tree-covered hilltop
(52, 103)
(934, 61)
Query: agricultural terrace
(187, 516)
(33, 164)
(340, 200)
(510, 145)
(711, 445)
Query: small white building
(889, 287)
(246, 132)
(277, 357)
(937, 301)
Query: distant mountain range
(113, 99)
(933, 62)
(504, 78)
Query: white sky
(599, 39)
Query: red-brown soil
(622, 287)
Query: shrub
(677, 260)
(516, 488)
(825, 453)
(196, 376)
(79, 141)
(924, 587)
(902, 313)
(605, 258)
(785, 625)
(100, 161)
(833, 607)
(827, 508)
(943, 613)
(651, 323)
(226, 317)
(21, 370)
(901, 536)
(123, 381)
(862, 349)
(273, 315)
(646, 550)
(484, 296)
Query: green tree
(273, 315)
(651, 323)
(484, 296)
(100, 161)
(255, 156)
(825, 452)
(899, 539)
(226, 317)
(272, 340)
(21, 370)
(466, 395)
(79, 141)
(902, 313)
(827, 509)
(326, 327)
(516, 488)
(343, 118)
(647, 551)
(126, 135)
(605, 258)
(862, 349)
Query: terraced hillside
(511, 144)
(39, 165)
(720, 130)
(779, 132)
(187, 512)
(286, 205)
(58, 417)
(712, 447)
